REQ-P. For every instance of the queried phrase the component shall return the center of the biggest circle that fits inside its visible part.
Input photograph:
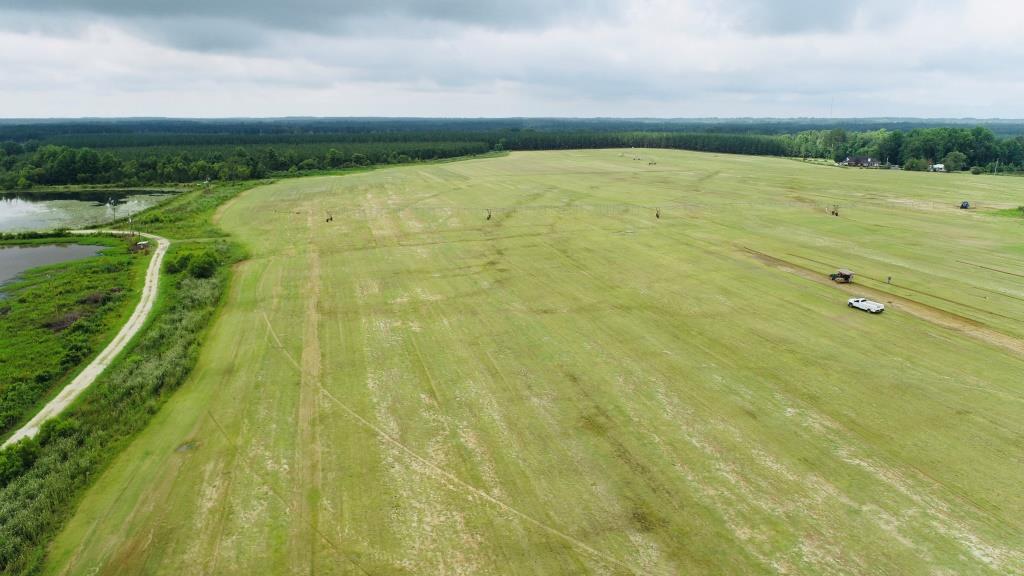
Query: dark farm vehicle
(842, 276)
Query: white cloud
(640, 58)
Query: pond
(17, 258)
(22, 211)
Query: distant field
(576, 386)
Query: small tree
(915, 165)
(955, 161)
(203, 265)
(334, 158)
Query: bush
(178, 263)
(977, 170)
(915, 165)
(202, 265)
(955, 161)
(16, 459)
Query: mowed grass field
(575, 386)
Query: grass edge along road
(92, 370)
(618, 377)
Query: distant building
(937, 168)
(861, 161)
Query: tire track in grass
(306, 493)
(455, 481)
(928, 294)
(931, 314)
(280, 497)
(474, 491)
(311, 332)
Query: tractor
(842, 276)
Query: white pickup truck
(865, 304)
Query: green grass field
(576, 386)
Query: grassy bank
(54, 318)
(42, 479)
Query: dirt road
(100, 363)
(937, 316)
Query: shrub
(915, 165)
(178, 263)
(16, 459)
(955, 161)
(202, 265)
(977, 170)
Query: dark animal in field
(657, 213)
(488, 214)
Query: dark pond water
(16, 259)
(20, 211)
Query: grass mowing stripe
(641, 385)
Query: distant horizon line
(962, 119)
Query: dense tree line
(26, 165)
(101, 133)
(148, 158)
(957, 148)
(57, 165)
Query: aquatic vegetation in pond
(48, 211)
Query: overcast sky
(650, 58)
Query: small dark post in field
(488, 214)
(657, 213)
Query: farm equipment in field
(842, 276)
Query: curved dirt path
(100, 363)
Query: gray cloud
(787, 17)
(325, 15)
(399, 57)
